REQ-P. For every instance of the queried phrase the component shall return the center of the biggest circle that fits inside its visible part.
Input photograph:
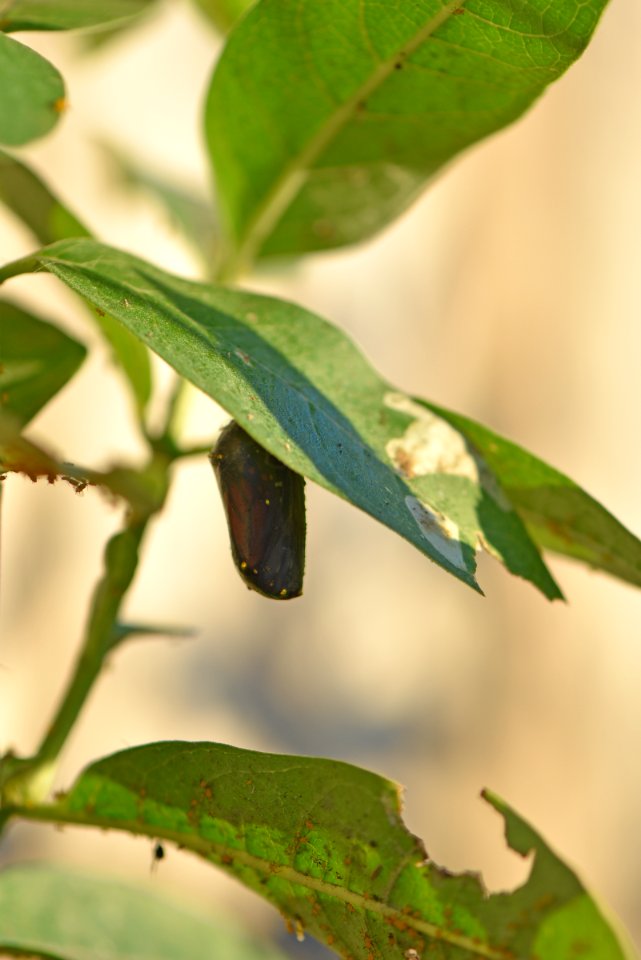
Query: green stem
(16, 268)
(27, 780)
(176, 409)
(121, 560)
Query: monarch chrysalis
(264, 504)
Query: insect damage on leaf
(264, 503)
(441, 532)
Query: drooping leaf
(143, 489)
(65, 14)
(324, 842)
(34, 204)
(302, 389)
(36, 360)
(224, 13)
(31, 200)
(19, 455)
(54, 911)
(559, 515)
(32, 93)
(325, 120)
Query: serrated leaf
(324, 841)
(224, 13)
(303, 390)
(65, 14)
(32, 93)
(36, 360)
(31, 200)
(53, 911)
(325, 120)
(559, 515)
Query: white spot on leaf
(440, 531)
(243, 356)
(429, 444)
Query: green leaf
(37, 360)
(32, 93)
(303, 390)
(559, 515)
(131, 356)
(48, 910)
(224, 13)
(65, 14)
(34, 204)
(31, 200)
(325, 120)
(324, 841)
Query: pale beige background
(511, 292)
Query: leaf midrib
(210, 849)
(285, 187)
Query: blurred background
(512, 293)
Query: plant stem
(28, 780)
(121, 560)
(28, 264)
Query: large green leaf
(52, 911)
(31, 93)
(36, 360)
(305, 392)
(31, 200)
(325, 843)
(325, 118)
(65, 14)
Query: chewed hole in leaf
(429, 444)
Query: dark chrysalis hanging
(264, 503)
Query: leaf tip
(519, 835)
